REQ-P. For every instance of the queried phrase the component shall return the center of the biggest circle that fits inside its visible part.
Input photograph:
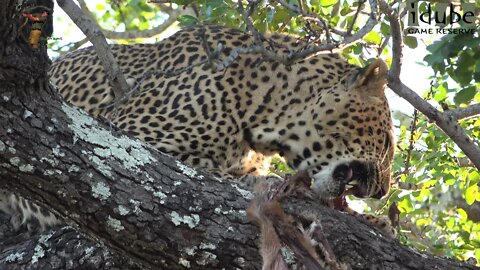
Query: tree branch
(445, 122)
(462, 113)
(94, 34)
(172, 18)
(397, 39)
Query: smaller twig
(355, 17)
(413, 127)
(195, 10)
(212, 57)
(301, 6)
(72, 46)
(384, 44)
(248, 21)
(308, 16)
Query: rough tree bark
(128, 206)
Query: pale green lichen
(14, 257)
(162, 196)
(136, 205)
(38, 251)
(101, 191)
(123, 210)
(53, 162)
(27, 114)
(207, 246)
(191, 251)
(115, 224)
(245, 193)
(101, 165)
(288, 255)
(2, 146)
(184, 262)
(89, 252)
(73, 168)
(131, 153)
(26, 168)
(234, 212)
(190, 221)
(190, 172)
(56, 152)
(48, 172)
(207, 258)
(195, 208)
(15, 161)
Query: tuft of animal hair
(24, 213)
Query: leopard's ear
(373, 79)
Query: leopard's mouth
(355, 178)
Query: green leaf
(465, 95)
(373, 37)
(99, 7)
(462, 213)
(187, 20)
(471, 194)
(385, 29)
(327, 3)
(411, 42)
(441, 93)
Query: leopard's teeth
(347, 186)
(353, 182)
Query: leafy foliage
(440, 216)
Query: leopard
(321, 114)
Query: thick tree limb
(95, 35)
(127, 198)
(148, 207)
